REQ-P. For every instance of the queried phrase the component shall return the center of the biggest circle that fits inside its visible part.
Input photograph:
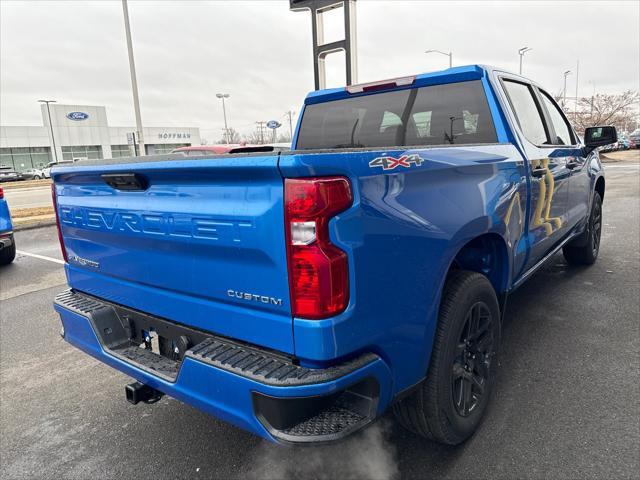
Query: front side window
(527, 112)
(563, 132)
(454, 113)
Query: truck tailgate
(203, 244)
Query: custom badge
(390, 163)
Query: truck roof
(450, 75)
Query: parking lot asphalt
(30, 197)
(566, 403)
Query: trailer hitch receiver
(139, 392)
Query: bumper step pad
(268, 367)
(331, 421)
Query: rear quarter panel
(402, 233)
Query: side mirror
(598, 136)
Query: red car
(200, 150)
(203, 150)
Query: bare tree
(602, 109)
(234, 136)
(284, 138)
(255, 138)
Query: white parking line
(632, 166)
(41, 257)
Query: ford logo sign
(273, 124)
(77, 116)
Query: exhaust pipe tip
(139, 392)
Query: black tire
(433, 409)
(36, 177)
(7, 254)
(584, 250)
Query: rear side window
(527, 113)
(455, 113)
(563, 132)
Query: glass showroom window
(23, 158)
(118, 151)
(6, 160)
(40, 156)
(92, 152)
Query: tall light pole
(224, 112)
(564, 89)
(575, 110)
(134, 81)
(521, 52)
(450, 55)
(290, 114)
(53, 140)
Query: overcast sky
(260, 53)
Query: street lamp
(521, 52)
(224, 112)
(53, 140)
(134, 81)
(564, 89)
(450, 55)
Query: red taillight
(1, 193)
(318, 270)
(55, 209)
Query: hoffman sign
(165, 136)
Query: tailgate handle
(126, 181)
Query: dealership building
(82, 132)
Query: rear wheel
(584, 250)
(449, 405)
(7, 254)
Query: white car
(46, 172)
(33, 174)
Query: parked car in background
(622, 143)
(46, 172)
(7, 242)
(8, 174)
(33, 174)
(634, 138)
(204, 150)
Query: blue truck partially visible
(300, 294)
(7, 242)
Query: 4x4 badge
(389, 163)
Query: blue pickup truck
(300, 294)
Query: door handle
(539, 172)
(571, 164)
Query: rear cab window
(448, 114)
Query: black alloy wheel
(471, 366)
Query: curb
(606, 159)
(26, 184)
(36, 223)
